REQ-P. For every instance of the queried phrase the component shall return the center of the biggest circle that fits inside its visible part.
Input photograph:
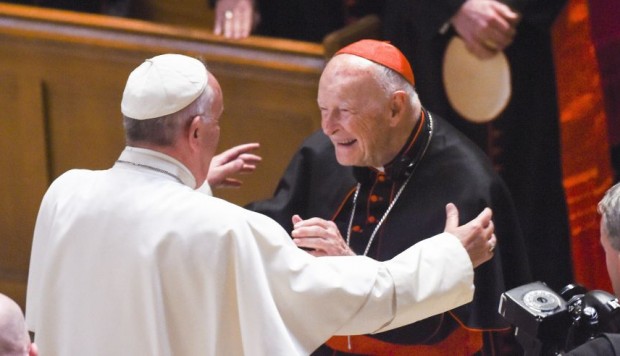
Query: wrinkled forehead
(346, 70)
(347, 64)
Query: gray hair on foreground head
(164, 130)
(609, 208)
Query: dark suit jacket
(604, 345)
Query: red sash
(460, 342)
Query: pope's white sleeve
(429, 278)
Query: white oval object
(477, 89)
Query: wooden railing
(61, 80)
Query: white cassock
(129, 261)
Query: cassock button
(381, 178)
(356, 228)
(374, 198)
(372, 219)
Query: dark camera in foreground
(550, 323)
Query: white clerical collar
(157, 161)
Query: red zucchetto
(383, 53)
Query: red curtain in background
(605, 24)
(585, 147)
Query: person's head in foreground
(14, 339)
(609, 208)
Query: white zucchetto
(163, 85)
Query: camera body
(550, 323)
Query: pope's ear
(194, 132)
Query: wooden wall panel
(23, 177)
(195, 13)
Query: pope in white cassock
(133, 260)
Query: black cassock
(452, 169)
(525, 139)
